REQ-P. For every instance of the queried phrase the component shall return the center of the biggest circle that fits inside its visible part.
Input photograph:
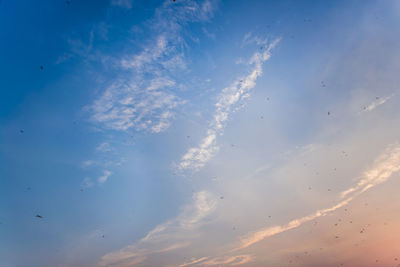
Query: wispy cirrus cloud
(125, 106)
(104, 147)
(145, 96)
(122, 3)
(102, 179)
(225, 260)
(249, 38)
(86, 183)
(378, 101)
(384, 166)
(229, 260)
(382, 169)
(193, 262)
(196, 157)
(171, 235)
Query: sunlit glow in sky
(199, 133)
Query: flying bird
(21, 131)
(39, 216)
(41, 67)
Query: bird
(21, 131)
(39, 216)
(41, 67)
(329, 113)
(67, 2)
(222, 197)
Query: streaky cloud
(143, 96)
(384, 166)
(171, 235)
(197, 157)
(377, 103)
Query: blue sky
(198, 133)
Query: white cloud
(193, 261)
(125, 106)
(250, 39)
(86, 183)
(144, 96)
(88, 163)
(197, 157)
(103, 147)
(171, 235)
(231, 260)
(122, 3)
(382, 169)
(378, 101)
(104, 177)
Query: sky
(199, 133)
